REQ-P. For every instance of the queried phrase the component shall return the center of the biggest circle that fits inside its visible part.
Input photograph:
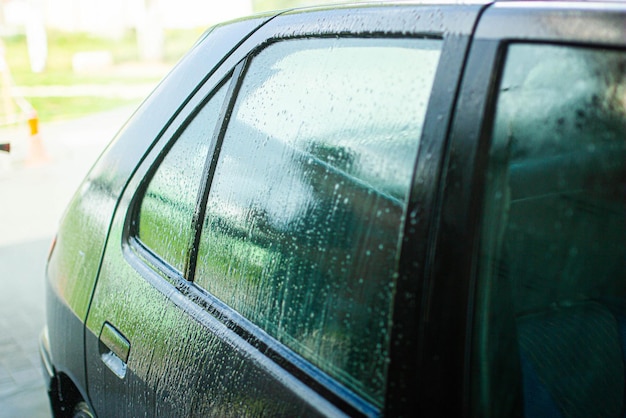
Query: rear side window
(552, 278)
(305, 212)
(166, 212)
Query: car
(389, 209)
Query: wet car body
(129, 334)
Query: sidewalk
(22, 390)
(32, 200)
(70, 148)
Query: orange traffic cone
(36, 151)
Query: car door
(531, 238)
(255, 257)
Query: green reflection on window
(305, 212)
(165, 217)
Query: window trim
(208, 172)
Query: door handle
(114, 349)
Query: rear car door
(254, 260)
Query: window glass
(165, 216)
(305, 212)
(552, 278)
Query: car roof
(392, 3)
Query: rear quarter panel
(73, 267)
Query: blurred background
(49, 47)
(71, 73)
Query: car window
(551, 315)
(305, 212)
(165, 215)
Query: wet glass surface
(305, 211)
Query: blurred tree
(36, 38)
(150, 32)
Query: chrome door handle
(114, 349)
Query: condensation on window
(551, 315)
(305, 211)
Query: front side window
(551, 313)
(305, 212)
(165, 215)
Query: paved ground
(36, 182)
(22, 392)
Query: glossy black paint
(416, 259)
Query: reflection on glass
(305, 212)
(165, 217)
(552, 280)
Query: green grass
(61, 48)
(63, 108)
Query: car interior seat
(566, 273)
